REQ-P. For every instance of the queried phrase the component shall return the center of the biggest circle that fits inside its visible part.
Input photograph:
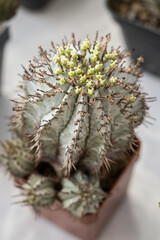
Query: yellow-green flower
(85, 45)
(113, 64)
(78, 90)
(89, 84)
(56, 59)
(71, 64)
(102, 82)
(132, 98)
(61, 51)
(98, 67)
(74, 56)
(91, 71)
(68, 49)
(71, 73)
(112, 80)
(98, 46)
(64, 62)
(62, 81)
(98, 76)
(82, 79)
(90, 91)
(58, 71)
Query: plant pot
(4, 36)
(90, 226)
(144, 40)
(33, 4)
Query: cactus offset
(81, 195)
(16, 157)
(78, 112)
(7, 9)
(38, 192)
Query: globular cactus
(16, 157)
(7, 9)
(38, 192)
(78, 113)
(81, 195)
(79, 98)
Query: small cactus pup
(38, 192)
(74, 121)
(16, 157)
(81, 195)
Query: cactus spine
(78, 113)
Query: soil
(138, 10)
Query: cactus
(16, 157)
(81, 195)
(7, 9)
(80, 98)
(77, 114)
(38, 192)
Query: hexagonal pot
(144, 40)
(90, 226)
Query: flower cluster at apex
(85, 68)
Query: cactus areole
(74, 121)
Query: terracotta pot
(90, 226)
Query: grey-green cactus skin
(38, 192)
(77, 98)
(77, 112)
(17, 158)
(7, 9)
(81, 195)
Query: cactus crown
(78, 113)
(7, 9)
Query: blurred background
(138, 218)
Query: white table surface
(138, 218)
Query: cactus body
(81, 195)
(17, 158)
(79, 98)
(38, 192)
(78, 113)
